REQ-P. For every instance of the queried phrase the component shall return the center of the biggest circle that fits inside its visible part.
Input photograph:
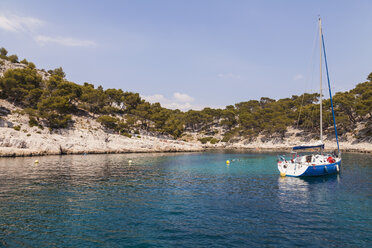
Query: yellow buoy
(227, 161)
(282, 174)
(36, 161)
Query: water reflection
(295, 190)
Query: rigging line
(311, 62)
(309, 115)
(312, 117)
(330, 95)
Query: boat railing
(281, 158)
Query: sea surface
(181, 200)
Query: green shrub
(56, 121)
(214, 141)
(31, 65)
(205, 140)
(28, 134)
(17, 128)
(13, 58)
(126, 134)
(30, 111)
(229, 135)
(24, 61)
(18, 111)
(3, 51)
(122, 127)
(108, 121)
(21, 87)
(33, 122)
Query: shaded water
(182, 200)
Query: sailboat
(317, 163)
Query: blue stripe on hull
(321, 170)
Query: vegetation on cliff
(52, 101)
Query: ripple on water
(188, 200)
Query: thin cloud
(16, 24)
(182, 97)
(181, 106)
(155, 98)
(29, 25)
(64, 41)
(298, 77)
(178, 101)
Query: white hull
(310, 165)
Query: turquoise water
(181, 200)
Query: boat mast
(330, 94)
(320, 68)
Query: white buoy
(130, 161)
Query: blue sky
(193, 54)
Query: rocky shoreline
(19, 143)
(19, 152)
(32, 142)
